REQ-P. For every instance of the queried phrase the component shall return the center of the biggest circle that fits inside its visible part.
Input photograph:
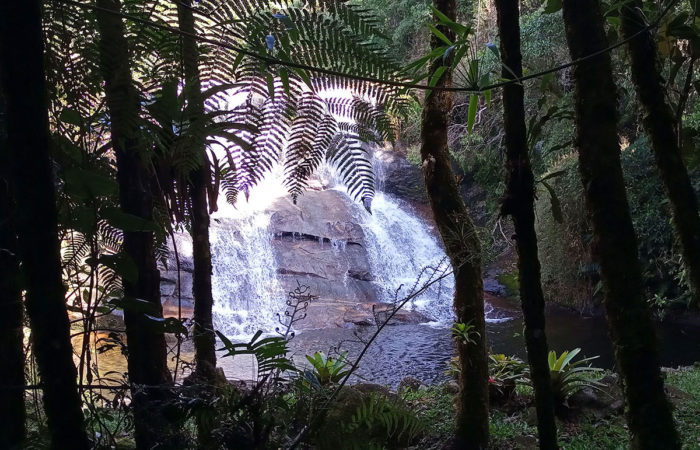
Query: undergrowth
(513, 426)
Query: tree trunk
(147, 363)
(462, 247)
(203, 336)
(12, 414)
(615, 244)
(519, 203)
(21, 59)
(660, 123)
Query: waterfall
(247, 295)
(400, 246)
(247, 292)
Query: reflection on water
(422, 351)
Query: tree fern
(288, 116)
(335, 35)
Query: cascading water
(244, 279)
(400, 246)
(248, 295)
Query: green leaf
(458, 28)
(439, 34)
(440, 15)
(271, 85)
(473, 72)
(417, 64)
(88, 183)
(436, 76)
(226, 341)
(135, 305)
(284, 77)
(237, 61)
(167, 324)
(70, 116)
(122, 264)
(613, 21)
(305, 77)
(459, 55)
(471, 116)
(80, 218)
(569, 356)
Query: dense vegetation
(122, 122)
(569, 272)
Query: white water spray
(247, 295)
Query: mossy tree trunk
(32, 185)
(148, 371)
(12, 413)
(660, 122)
(203, 336)
(615, 244)
(462, 247)
(519, 202)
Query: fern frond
(350, 157)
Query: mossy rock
(509, 280)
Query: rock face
(401, 178)
(319, 243)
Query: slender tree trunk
(21, 59)
(203, 336)
(147, 359)
(519, 202)
(615, 244)
(660, 123)
(462, 247)
(12, 413)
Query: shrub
(569, 377)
